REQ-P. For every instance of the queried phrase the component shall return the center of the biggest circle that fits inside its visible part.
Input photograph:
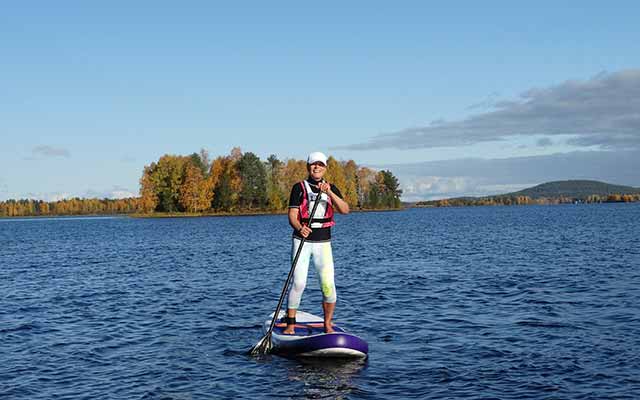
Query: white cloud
(49, 151)
(121, 194)
(115, 192)
(439, 187)
(434, 186)
(601, 112)
(49, 196)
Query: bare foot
(289, 330)
(328, 328)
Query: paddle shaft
(293, 268)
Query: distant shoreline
(408, 206)
(180, 214)
(500, 201)
(516, 205)
(236, 214)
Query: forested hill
(576, 189)
(558, 192)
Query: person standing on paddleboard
(317, 236)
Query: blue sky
(93, 92)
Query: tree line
(74, 206)
(526, 200)
(241, 182)
(236, 183)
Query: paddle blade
(264, 346)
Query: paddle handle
(293, 268)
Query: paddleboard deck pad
(310, 340)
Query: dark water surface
(489, 302)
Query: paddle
(264, 346)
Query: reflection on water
(326, 378)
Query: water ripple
(488, 302)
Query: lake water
(535, 302)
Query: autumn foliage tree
(350, 189)
(276, 195)
(364, 178)
(226, 181)
(167, 177)
(293, 172)
(148, 194)
(196, 192)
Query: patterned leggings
(323, 261)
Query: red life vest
(324, 208)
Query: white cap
(317, 156)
